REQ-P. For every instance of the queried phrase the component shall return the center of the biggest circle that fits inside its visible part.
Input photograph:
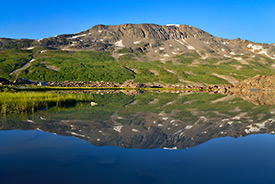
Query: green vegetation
(15, 44)
(108, 104)
(57, 65)
(20, 102)
(133, 108)
(77, 66)
(203, 71)
(145, 73)
(190, 106)
(11, 60)
(125, 50)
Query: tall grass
(20, 102)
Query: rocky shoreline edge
(257, 83)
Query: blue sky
(246, 19)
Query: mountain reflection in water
(154, 120)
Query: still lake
(141, 137)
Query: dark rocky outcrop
(4, 81)
(22, 81)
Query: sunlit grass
(21, 102)
(101, 66)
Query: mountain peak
(157, 42)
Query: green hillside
(57, 65)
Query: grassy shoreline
(26, 99)
(31, 101)
(47, 88)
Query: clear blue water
(39, 157)
(122, 140)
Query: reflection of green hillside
(149, 120)
(183, 107)
(108, 104)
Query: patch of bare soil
(229, 79)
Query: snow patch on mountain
(188, 127)
(77, 36)
(254, 47)
(167, 148)
(180, 42)
(119, 43)
(76, 134)
(118, 128)
(190, 47)
(135, 130)
(238, 58)
(258, 48)
(258, 126)
(176, 25)
(184, 41)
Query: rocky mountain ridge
(156, 41)
(144, 53)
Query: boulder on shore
(132, 84)
(42, 84)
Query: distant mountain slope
(152, 53)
